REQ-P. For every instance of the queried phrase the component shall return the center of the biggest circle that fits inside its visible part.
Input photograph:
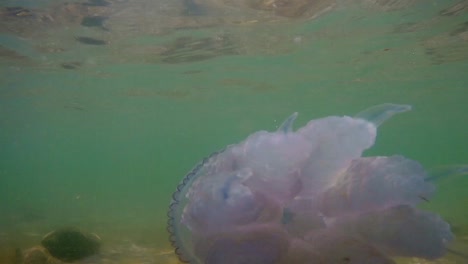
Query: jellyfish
(308, 196)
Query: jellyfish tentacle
(176, 207)
(438, 173)
(380, 113)
(287, 125)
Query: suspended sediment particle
(70, 65)
(16, 11)
(91, 41)
(93, 21)
(96, 3)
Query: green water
(104, 145)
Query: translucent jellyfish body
(307, 196)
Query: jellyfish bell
(307, 196)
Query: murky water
(105, 105)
